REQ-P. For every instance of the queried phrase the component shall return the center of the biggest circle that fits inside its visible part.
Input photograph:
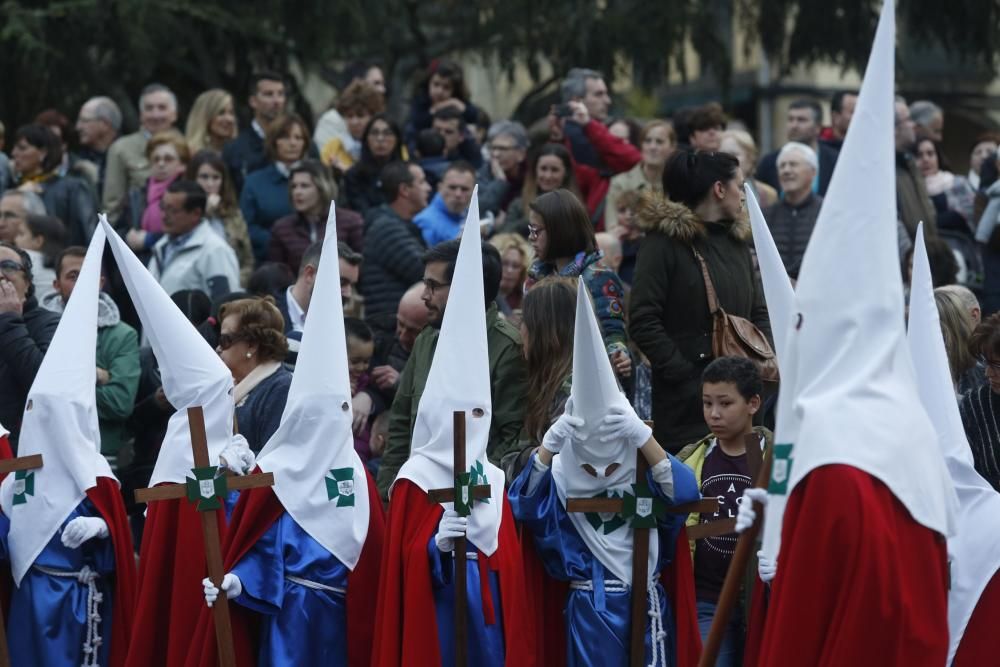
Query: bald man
(391, 354)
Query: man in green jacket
(507, 369)
(117, 354)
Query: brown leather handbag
(737, 336)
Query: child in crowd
(377, 440)
(43, 238)
(629, 233)
(360, 348)
(731, 396)
(443, 86)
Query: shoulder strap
(713, 299)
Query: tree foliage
(57, 53)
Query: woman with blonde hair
(657, 142)
(741, 145)
(212, 121)
(515, 257)
(957, 328)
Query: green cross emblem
(598, 523)
(463, 488)
(340, 486)
(24, 486)
(207, 489)
(642, 508)
(781, 470)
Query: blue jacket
(437, 223)
(264, 199)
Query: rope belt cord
(315, 585)
(657, 632)
(88, 578)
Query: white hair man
(792, 218)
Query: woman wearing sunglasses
(252, 344)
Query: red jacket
(617, 155)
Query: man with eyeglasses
(26, 330)
(913, 204)
(191, 255)
(15, 206)
(501, 179)
(97, 127)
(508, 374)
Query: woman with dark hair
(381, 143)
(43, 237)
(563, 239)
(443, 86)
(209, 171)
(264, 198)
(547, 342)
(952, 196)
(311, 190)
(37, 160)
(702, 215)
(550, 168)
(252, 344)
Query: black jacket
(244, 155)
(394, 251)
(23, 342)
(668, 316)
(767, 168)
(73, 201)
(791, 227)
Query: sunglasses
(226, 341)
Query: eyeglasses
(9, 267)
(534, 231)
(433, 285)
(992, 365)
(226, 341)
(500, 148)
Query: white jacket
(206, 263)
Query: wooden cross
(722, 527)
(734, 575)
(644, 508)
(463, 494)
(8, 466)
(208, 490)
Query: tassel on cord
(88, 578)
(656, 631)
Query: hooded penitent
(849, 394)
(459, 379)
(778, 290)
(974, 549)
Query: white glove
(745, 516)
(237, 456)
(83, 528)
(231, 586)
(766, 568)
(565, 431)
(451, 526)
(622, 423)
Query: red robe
(980, 642)
(678, 581)
(107, 499)
(755, 623)
(859, 581)
(172, 565)
(406, 622)
(255, 512)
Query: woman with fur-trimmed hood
(668, 316)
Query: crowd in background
(230, 220)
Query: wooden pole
(461, 599)
(640, 574)
(734, 575)
(213, 546)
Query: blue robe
(299, 625)
(486, 642)
(596, 636)
(48, 614)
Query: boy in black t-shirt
(731, 396)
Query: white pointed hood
(852, 397)
(60, 423)
(778, 292)
(594, 392)
(318, 476)
(974, 549)
(459, 379)
(192, 373)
